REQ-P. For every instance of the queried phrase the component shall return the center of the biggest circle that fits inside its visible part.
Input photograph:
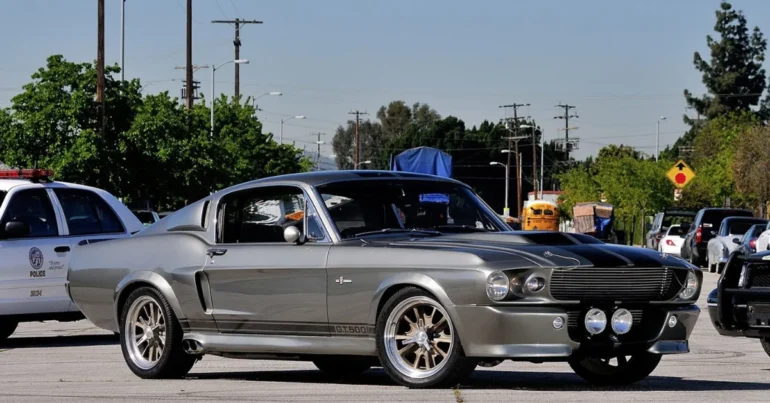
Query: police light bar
(26, 174)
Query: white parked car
(763, 242)
(727, 240)
(41, 222)
(671, 243)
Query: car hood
(556, 250)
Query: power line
(237, 43)
(515, 122)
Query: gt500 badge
(36, 261)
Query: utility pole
(566, 117)
(122, 40)
(534, 160)
(237, 44)
(189, 82)
(515, 120)
(318, 155)
(100, 66)
(356, 155)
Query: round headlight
(497, 286)
(535, 284)
(622, 321)
(596, 321)
(690, 286)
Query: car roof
(8, 184)
(745, 219)
(318, 178)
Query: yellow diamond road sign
(680, 174)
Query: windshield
(2, 196)
(362, 208)
(676, 230)
(669, 220)
(740, 227)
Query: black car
(740, 305)
(663, 220)
(703, 228)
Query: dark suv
(703, 228)
(663, 220)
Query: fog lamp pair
(596, 321)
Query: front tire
(622, 370)
(151, 338)
(417, 343)
(7, 328)
(343, 366)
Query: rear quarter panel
(99, 273)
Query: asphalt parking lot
(55, 362)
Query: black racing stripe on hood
(597, 255)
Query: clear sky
(622, 63)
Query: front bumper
(528, 333)
(746, 317)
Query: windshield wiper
(399, 230)
(471, 228)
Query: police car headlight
(690, 286)
(497, 286)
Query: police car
(41, 223)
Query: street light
(286, 120)
(273, 93)
(506, 211)
(213, 71)
(361, 163)
(657, 137)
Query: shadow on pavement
(540, 381)
(60, 341)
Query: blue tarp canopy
(425, 160)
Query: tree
(734, 77)
(713, 153)
(54, 123)
(395, 118)
(751, 166)
(152, 152)
(370, 140)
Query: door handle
(61, 249)
(216, 252)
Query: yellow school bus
(540, 215)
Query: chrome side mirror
(292, 235)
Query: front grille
(759, 275)
(616, 284)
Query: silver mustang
(354, 269)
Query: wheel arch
(393, 284)
(140, 279)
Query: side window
(86, 213)
(32, 208)
(261, 215)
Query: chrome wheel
(145, 332)
(418, 337)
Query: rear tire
(151, 337)
(344, 366)
(7, 327)
(598, 371)
(409, 321)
